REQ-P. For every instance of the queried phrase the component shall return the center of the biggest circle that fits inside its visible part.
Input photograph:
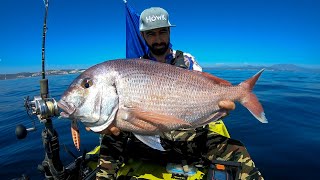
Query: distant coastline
(35, 74)
(276, 67)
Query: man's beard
(157, 51)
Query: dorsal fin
(215, 79)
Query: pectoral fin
(163, 122)
(213, 117)
(151, 141)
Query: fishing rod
(45, 108)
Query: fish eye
(86, 83)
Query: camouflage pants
(190, 145)
(226, 149)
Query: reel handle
(22, 131)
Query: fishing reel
(43, 109)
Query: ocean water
(285, 148)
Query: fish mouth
(68, 109)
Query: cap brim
(146, 29)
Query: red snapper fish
(147, 98)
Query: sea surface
(288, 147)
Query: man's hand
(110, 130)
(228, 105)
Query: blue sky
(82, 33)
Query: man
(185, 145)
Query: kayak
(147, 170)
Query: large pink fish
(146, 97)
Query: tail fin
(250, 101)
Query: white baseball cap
(153, 18)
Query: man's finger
(115, 131)
(229, 105)
(111, 130)
(88, 129)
